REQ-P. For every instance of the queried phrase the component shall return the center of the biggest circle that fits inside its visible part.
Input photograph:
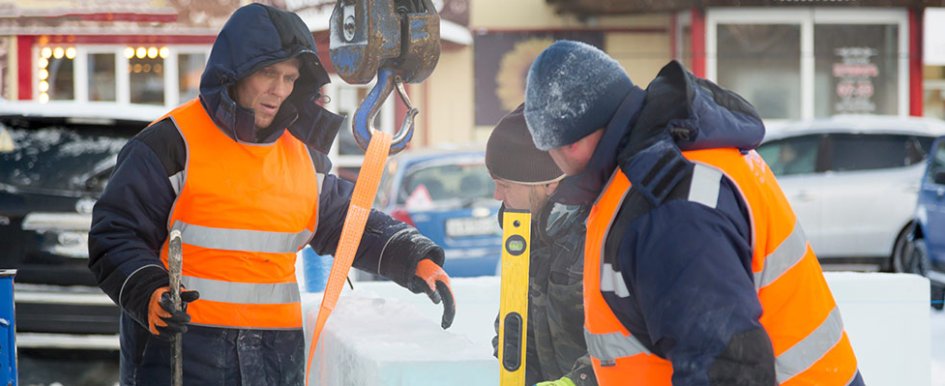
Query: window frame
(807, 18)
(122, 77)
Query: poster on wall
(854, 73)
(857, 69)
(501, 63)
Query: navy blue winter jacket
(687, 266)
(129, 222)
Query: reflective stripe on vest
(609, 347)
(802, 321)
(244, 211)
(242, 239)
(611, 280)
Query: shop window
(856, 69)
(146, 76)
(811, 62)
(762, 63)
(189, 69)
(56, 73)
(102, 77)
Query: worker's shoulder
(163, 138)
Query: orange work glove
(163, 321)
(432, 280)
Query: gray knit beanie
(572, 89)
(511, 155)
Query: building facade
(791, 59)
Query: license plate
(458, 227)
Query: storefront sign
(854, 74)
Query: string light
(152, 52)
(164, 52)
(129, 52)
(58, 52)
(141, 52)
(46, 52)
(70, 53)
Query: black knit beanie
(512, 156)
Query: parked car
(853, 182)
(55, 160)
(448, 197)
(924, 250)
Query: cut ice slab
(383, 335)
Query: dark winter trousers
(214, 356)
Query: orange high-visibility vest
(244, 210)
(798, 311)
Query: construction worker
(242, 172)
(526, 179)
(700, 273)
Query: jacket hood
(256, 36)
(695, 113)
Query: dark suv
(55, 160)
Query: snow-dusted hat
(572, 89)
(511, 155)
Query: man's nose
(282, 89)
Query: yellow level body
(513, 305)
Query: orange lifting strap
(365, 188)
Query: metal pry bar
(174, 261)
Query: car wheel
(917, 261)
(905, 259)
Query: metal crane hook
(399, 41)
(363, 127)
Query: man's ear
(572, 148)
(583, 146)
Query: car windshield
(463, 183)
(57, 157)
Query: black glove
(432, 280)
(403, 252)
(163, 320)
